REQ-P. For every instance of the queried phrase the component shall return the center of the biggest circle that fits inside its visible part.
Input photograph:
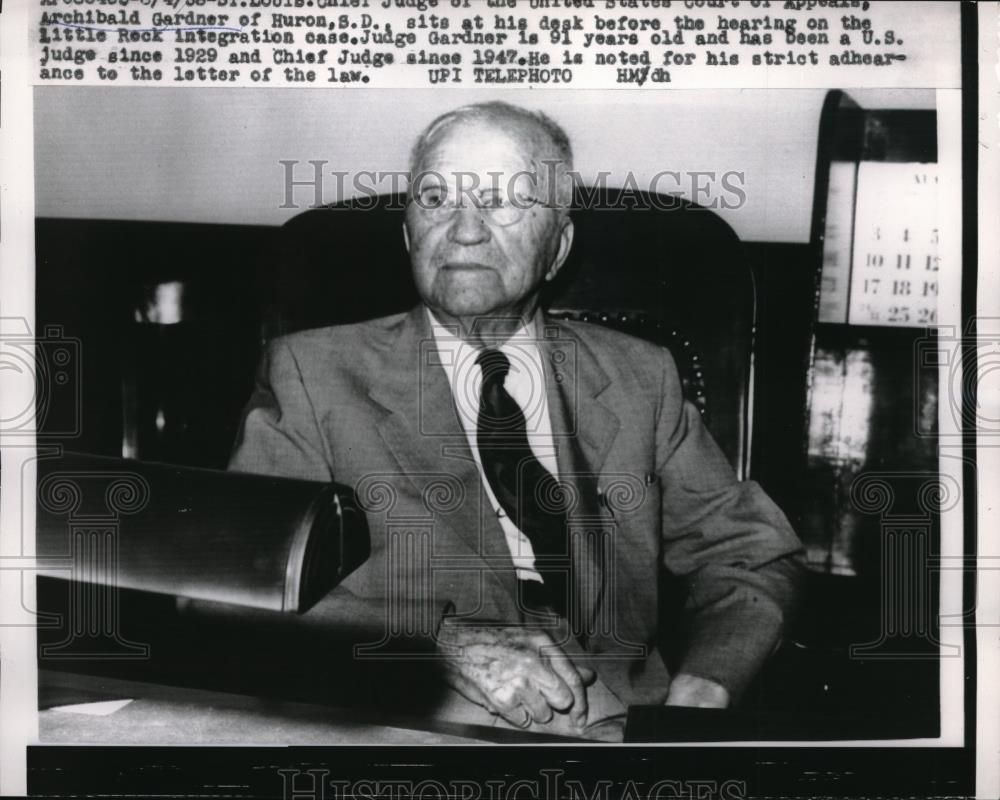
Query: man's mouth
(465, 265)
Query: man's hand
(690, 690)
(516, 672)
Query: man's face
(466, 264)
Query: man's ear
(565, 243)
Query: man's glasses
(500, 207)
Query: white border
(18, 671)
(988, 451)
(18, 679)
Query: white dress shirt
(525, 382)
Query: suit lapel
(422, 430)
(576, 381)
(583, 429)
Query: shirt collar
(458, 358)
(448, 334)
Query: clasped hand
(516, 672)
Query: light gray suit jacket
(369, 405)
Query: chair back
(654, 266)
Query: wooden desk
(171, 715)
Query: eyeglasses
(499, 207)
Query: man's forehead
(486, 145)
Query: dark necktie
(526, 491)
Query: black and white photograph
(505, 432)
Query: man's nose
(468, 226)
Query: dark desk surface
(158, 714)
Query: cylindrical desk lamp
(252, 540)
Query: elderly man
(525, 482)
